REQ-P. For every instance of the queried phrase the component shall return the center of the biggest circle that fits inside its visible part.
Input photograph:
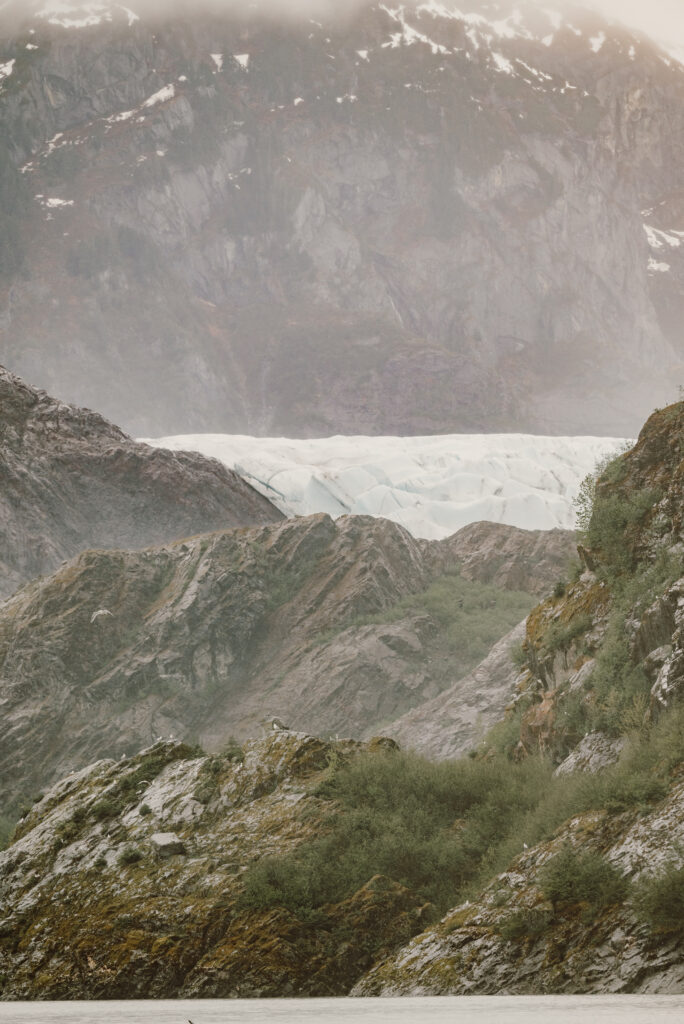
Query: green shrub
(145, 810)
(659, 901)
(559, 589)
(519, 656)
(574, 876)
(7, 824)
(612, 516)
(395, 817)
(130, 855)
(445, 829)
(524, 924)
(233, 751)
(561, 636)
(103, 809)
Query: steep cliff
(416, 220)
(71, 480)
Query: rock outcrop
(94, 905)
(530, 560)
(71, 481)
(415, 221)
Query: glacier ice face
(432, 486)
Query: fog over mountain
(415, 220)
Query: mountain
(548, 861)
(336, 627)
(410, 221)
(71, 480)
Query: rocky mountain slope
(415, 220)
(558, 949)
(144, 860)
(71, 480)
(601, 686)
(335, 627)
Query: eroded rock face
(90, 910)
(466, 955)
(71, 480)
(388, 225)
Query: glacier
(433, 486)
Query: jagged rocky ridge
(71, 480)
(203, 638)
(386, 225)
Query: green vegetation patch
(659, 901)
(444, 829)
(472, 616)
(576, 876)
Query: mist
(663, 20)
(660, 19)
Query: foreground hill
(71, 480)
(415, 220)
(601, 696)
(335, 627)
(144, 862)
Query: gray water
(447, 1010)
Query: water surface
(447, 1010)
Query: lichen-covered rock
(96, 900)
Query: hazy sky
(662, 19)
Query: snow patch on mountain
(432, 486)
(83, 14)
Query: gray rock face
(364, 229)
(71, 480)
(166, 844)
(531, 560)
(453, 722)
(593, 753)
